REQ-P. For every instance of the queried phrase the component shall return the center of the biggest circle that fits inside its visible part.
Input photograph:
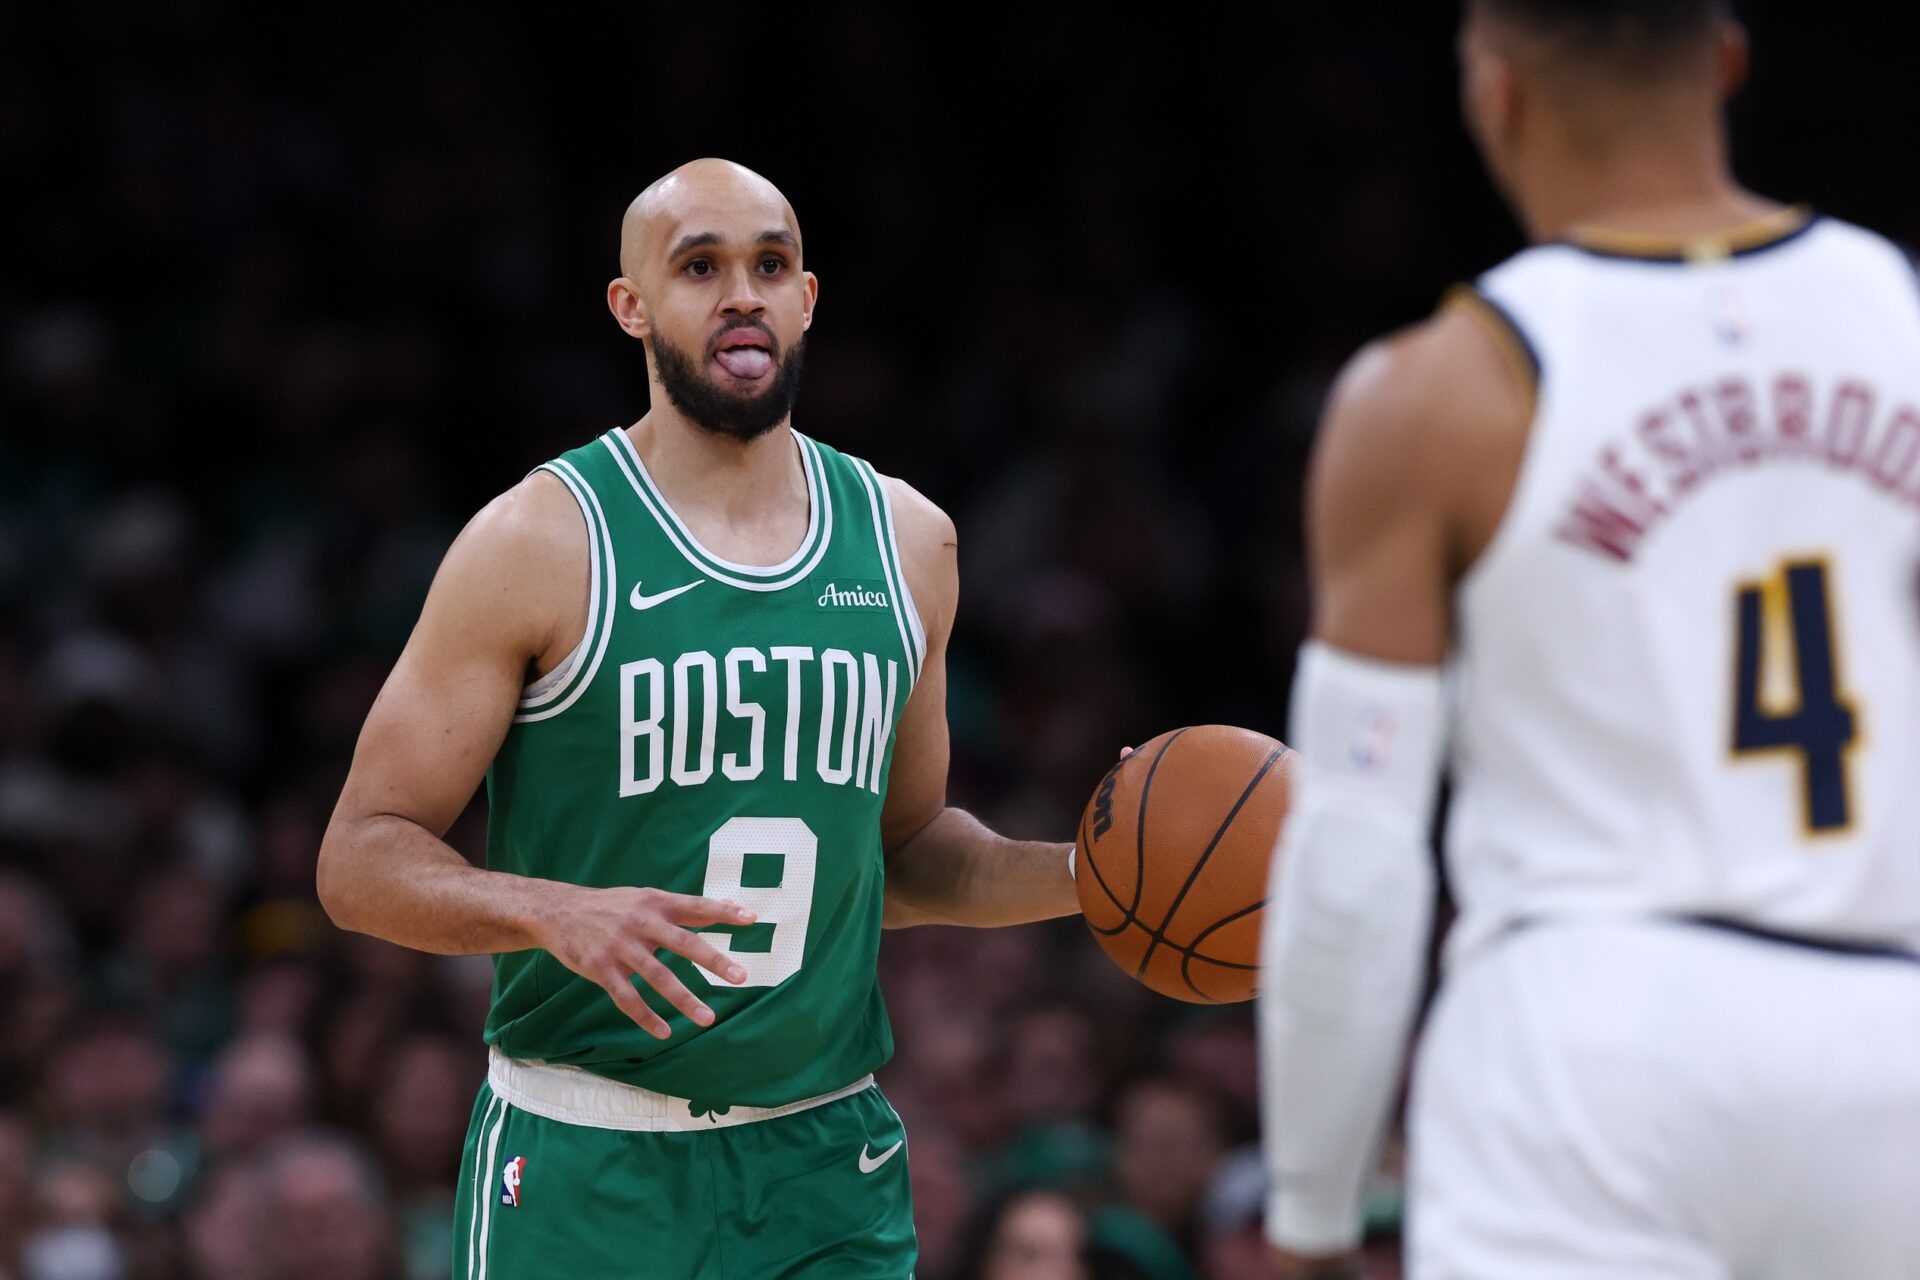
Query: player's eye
(771, 266)
(699, 267)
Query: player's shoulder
(521, 562)
(535, 521)
(918, 520)
(1437, 384)
(915, 517)
(923, 534)
(1419, 430)
(1861, 239)
(929, 546)
(926, 534)
(1886, 270)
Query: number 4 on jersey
(1805, 712)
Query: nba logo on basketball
(510, 1182)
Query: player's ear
(1489, 89)
(628, 310)
(1505, 97)
(812, 296)
(1736, 58)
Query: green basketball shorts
(568, 1174)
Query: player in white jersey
(1632, 531)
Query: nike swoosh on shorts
(869, 1163)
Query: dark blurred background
(289, 293)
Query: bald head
(689, 205)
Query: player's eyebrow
(712, 239)
(698, 240)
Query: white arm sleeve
(1344, 942)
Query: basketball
(1172, 855)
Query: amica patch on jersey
(854, 595)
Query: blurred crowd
(287, 300)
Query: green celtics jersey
(724, 730)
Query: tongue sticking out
(745, 362)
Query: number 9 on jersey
(765, 865)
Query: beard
(743, 417)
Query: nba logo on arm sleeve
(510, 1181)
(1372, 744)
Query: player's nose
(742, 296)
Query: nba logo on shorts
(510, 1181)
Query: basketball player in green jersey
(700, 663)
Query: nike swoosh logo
(869, 1163)
(639, 601)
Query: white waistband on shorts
(574, 1096)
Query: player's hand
(607, 936)
(1319, 1266)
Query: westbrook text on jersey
(1700, 432)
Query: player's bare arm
(508, 600)
(1421, 438)
(943, 865)
(1415, 459)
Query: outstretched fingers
(703, 953)
(662, 979)
(696, 912)
(619, 986)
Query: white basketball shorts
(1654, 1100)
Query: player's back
(1689, 660)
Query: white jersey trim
(913, 638)
(481, 1187)
(812, 547)
(486, 1188)
(550, 685)
(1497, 310)
(606, 601)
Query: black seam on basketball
(1140, 851)
(1193, 948)
(1200, 862)
(1126, 917)
(1191, 952)
(1178, 949)
(1188, 954)
(1140, 828)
